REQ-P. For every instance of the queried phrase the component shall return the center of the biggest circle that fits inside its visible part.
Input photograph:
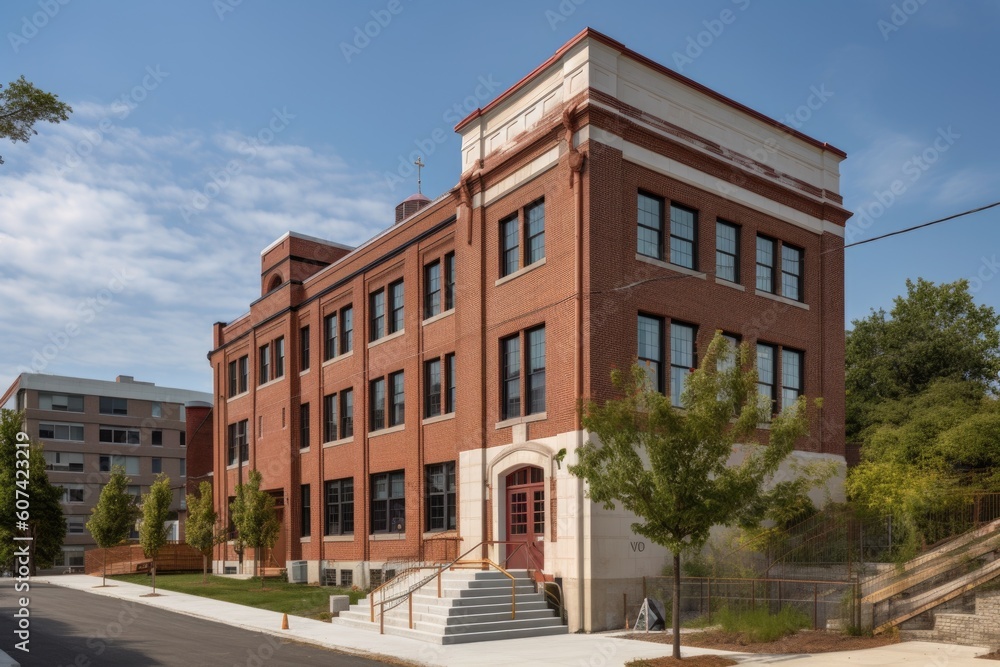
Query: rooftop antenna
(420, 165)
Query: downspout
(575, 161)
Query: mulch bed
(693, 661)
(804, 641)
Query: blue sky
(204, 129)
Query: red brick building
(410, 397)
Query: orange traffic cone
(284, 621)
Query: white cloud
(103, 275)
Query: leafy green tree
(22, 105)
(46, 524)
(253, 515)
(933, 332)
(155, 510)
(201, 530)
(671, 467)
(113, 516)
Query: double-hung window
(330, 418)
(683, 232)
(376, 307)
(766, 373)
(346, 413)
(440, 497)
(650, 353)
(339, 518)
(396, 306)
(727, 251)
(388, 508)
(682, 359)
(791, 377)
(330, 336)
(650, 236)
(511, 359)
(376, 417)
(432, 289)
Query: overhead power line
(921, 226)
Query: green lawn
(310, 601)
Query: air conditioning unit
(298, 572)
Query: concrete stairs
(474, 606)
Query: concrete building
(86, 426)
(410, 398)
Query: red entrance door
(526, 518)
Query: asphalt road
(84, 630)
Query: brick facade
(583, 154)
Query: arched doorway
(525, 510)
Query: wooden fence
(129, 559)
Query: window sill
(440, 534)
(305, 372)
(437, 418)
(304, 450)
(387, 537)
(726, 283)
(672, 267)
(343, 441)
(439, 316)
(527, 419)
(305, 540)
(337, 358)
(234, 466)
(338, 538)
(387, 338)
(520, 272)
(271, 382)
(386, 431)
(783, 299)
(238, 396)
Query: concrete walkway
(576, 650)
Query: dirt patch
(804, 641)
(693, 661)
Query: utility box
(298, 572)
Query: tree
(153, 530)
(114, 515)
(253, 515)
(40, 507)
(22, 105)
(934, 332)
(201, 530)
(671, 467)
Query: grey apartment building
(86, 426)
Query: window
(304, 348)
(346, 329)
(377, 309)
(449, 385)
(72, 493)
(57, 431)
(119, 435)
(346, 578)
(305, 524)
(113, 406)
(329, 418)
(682, 359)
(182, 466)
(534, 233)
(63, 461)
(304, 426)
(70, 557)
(791, 377)
(157, 465)
(156, 438)
(432, 289)
(129, 463)
(650, 238)
(397, 411)
(765, 373)
(339, 518)
(449, 281)
(683, 232)
(791, 272)
(377, 400)
(441, 496)
(432, 388)
(650, 352)
(509, 248)
(75, 524)
(134, 490)
(396, 306)
(511, 353)
(536, 371)
(279, 357)
(330, 336)
(765, 264)
(183, 437)
(239, 372)
(265, 364)
(61, 402)
(156, 410)
(237, 442)
(727, 251)
(347, 413)
(388, 502)
(723, 365)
